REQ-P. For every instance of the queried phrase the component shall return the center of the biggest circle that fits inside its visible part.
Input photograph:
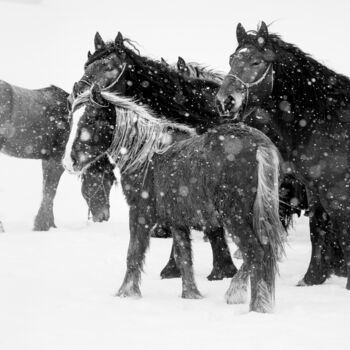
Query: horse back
(34, 123)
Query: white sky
(46, 42)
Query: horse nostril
(74, 159)
(219, 106)
(229, 103)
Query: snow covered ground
(57, 288)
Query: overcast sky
(46, 42)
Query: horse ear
(75, 90)
(163, 61)
(70, 100)
(263, 32)
(99, 43)
(119, 41)
(241, 34)
(181, 64)
(96, 94)
(89, 55)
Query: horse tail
(266, 221)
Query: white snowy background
(57, 288)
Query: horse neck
(181, 100)
(307, 87)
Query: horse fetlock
(43, 223)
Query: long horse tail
(266, 221)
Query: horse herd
(239, 154)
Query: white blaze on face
(67, 159)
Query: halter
(247, 86)
(254, 83)
(88, 83)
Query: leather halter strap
(254, 83)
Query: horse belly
(183, 199)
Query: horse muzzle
(230, 105)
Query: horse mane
(172, 94)
(198, 70)
(138, 133)
(307, 84)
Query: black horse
(202, 181)
(304, 107)
(117, 67)
(34, 124)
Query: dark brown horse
(34, 125)
(304, 107)
(169, 92)
(199, 181)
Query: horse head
(250, 79)
(92, 122)
(104, 67)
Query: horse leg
(259, 264)
(324, 255)
(183, 258)
(223, 265)
(343, 224)
(139, 224)
(262, 278)
(171, 270)
(52, 172)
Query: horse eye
(256, 63)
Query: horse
(34, 125)
(304, 107)
(293, 197)
(227, 177)
(196, 70)
(187, 101)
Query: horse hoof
(192, 294)
(301, 283)
(129, 293)
(170, 272)
(262, 309)
(219, 274)
(43, 226)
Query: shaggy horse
(117, 67)
(227, 177)
(34, 125)
(304, 107)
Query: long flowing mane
(166, 91)
(304, 82)
(138, 133)
(204, 72)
